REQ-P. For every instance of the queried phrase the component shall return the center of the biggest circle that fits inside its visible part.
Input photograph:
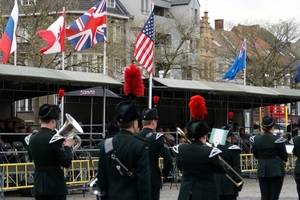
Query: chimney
(219, 24)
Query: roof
(27, 82)
(251, 95)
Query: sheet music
(219, 134)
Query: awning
(20, 82)
(92, 92)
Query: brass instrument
(182, 134)
(67, 131)
(229, 167)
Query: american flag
(143, 51)
(88, 29)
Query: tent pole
(91, 120)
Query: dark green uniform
(132, 151)
(198, 163)
(271, 154)
(157, 147)
(48, 158)
(226, 188)
(296, 152)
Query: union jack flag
(88, 29)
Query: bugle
(229, 167)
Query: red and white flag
(143, 51)
(54, 36)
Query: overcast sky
(239, 11)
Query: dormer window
(28, 2)
(111, 3)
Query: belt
(268, 157)
(46, 168)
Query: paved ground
(250, 191)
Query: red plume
(230, 115)
(133, 84)
(197, 107)
(61, 93)
(156, 99)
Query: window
(25, 105)
(72, 62)
(117, 32)
(86, 62)
(144, 6)
(111, 3)
(99, 64)
(162, 39)
(58, 61)
(28, 2)
(24, 34)
(117, 67)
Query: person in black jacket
(270, 151)
(129, 150)
(49, 179)
(157, 147)
(227, 190)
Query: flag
(238, 65)
(8, 43)
(143, 51)
(297, 74)
(54, 36)
(88, 29)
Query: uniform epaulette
(27, 138)
(56, 138)
(158, 135)
(280, 140)
(176, 148)
(252, 138)
(140, 138)
(215, 151)
(291, 141)
(234, 147)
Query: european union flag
(238, 65)
(297, 74)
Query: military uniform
(271, 154)
(132, 151)
(198, 163)
(49, 178)
(296, 152)
(226, 189)
(48, 158)
(157, 146)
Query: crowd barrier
(16, 176)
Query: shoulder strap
(158, 135)
(110, 152)
(280, 140)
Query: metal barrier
(20, 175)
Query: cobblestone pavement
(250, 191)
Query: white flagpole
(62, 68)
(245, 62)
(150, 77)
(104, 88)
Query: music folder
(218, 136)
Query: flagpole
(151, 76)
(245, 62)
(62, 68)
(104, 88)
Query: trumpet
(183, 135)
(67, 131)
(229, 167)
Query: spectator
(29, 129)
(292, 128)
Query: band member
(49, 180)
(157, 147)
(227, 190)
(196, 161)
(296, 152)
(271, 154)
(123, 168)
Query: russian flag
(54, 36)
(8, 43)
